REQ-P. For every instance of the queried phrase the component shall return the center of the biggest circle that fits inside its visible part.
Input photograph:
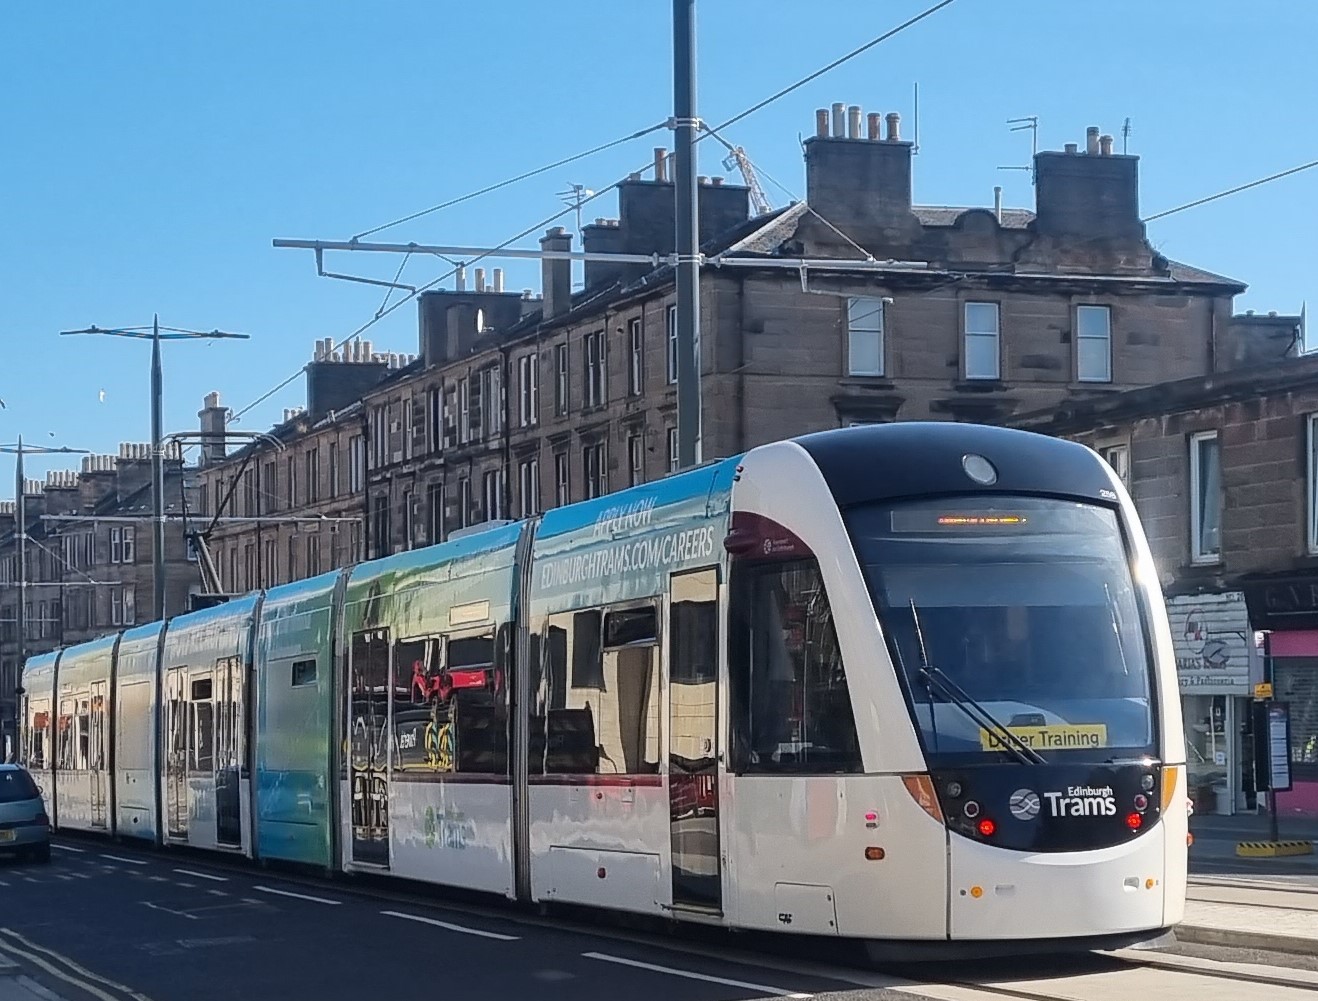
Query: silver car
(24, 826)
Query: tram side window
(84, 725)
(203, 726)
(605, 720)
(64, 750)
(36, 754)
(791, 707)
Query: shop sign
(1211, 637)
(1283, 603)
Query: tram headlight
(1146, 783)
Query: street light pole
(157, 474)
(687, 235)
(155, 334)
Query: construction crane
(737, 158)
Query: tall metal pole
(688, 235)
(20, 536)
(157, 474)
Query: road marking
(203, 875)
(69, 848)
(450, 927)
(29, 879)
(185, 883)
(776, 991)
(300, 896)
(217, 893)
(64, 876)
(120, 858)
(170, 910)
(10, 933)
(79, 875)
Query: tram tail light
(1134, 821)
(986, 828)
(921, 788)
(1170, 776)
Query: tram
(909, 684)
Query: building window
(233, 570)
(313, 474)
(560, 379)
(123, 606)
(292, 558)
(636, 459)
(435, 512)
(864, 336)
(380, 437)
(1093, 343)
(355, 533)
(562, 487)
(464, 502)
(435, 417)
(528, 390)
(592, 459)
(529, 487)
(313, 554)
(292, 481)
(1206, 500)
(43, 621)
(672, 450)
(1313, 483)
(464, 410)
(249, 493)
(594, 347)
(409, 521)
(380, 524)
(635, 358)
(1118, 457)
(983, 351)
(491, 402)
(123, 544)
(407, 428)
(672, 344)
(492, 495)
(270, 568)
(333, 469)
(356, 464)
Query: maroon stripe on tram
(618, 781)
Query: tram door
(368, 746)
(96, 756)
(176, 753)
(228, 748)
(693, 750)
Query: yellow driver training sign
(1061, 737)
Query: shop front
(1287, 608)
(1217, 664)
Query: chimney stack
(212, 417)
(556, 275)
(868, 181)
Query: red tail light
(1134, 821)
(987, 828)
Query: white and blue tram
(911, 684)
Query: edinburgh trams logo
(1024, 804)
(1082, 801)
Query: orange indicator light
(977, 892)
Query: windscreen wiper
(955, 694)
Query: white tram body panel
(84, 679)
(136, 737)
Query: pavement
(1252, 903)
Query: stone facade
(89, 577)
(855, 306)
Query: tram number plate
(7, 835)
(1049, 738)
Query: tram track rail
(778, 953)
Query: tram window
(791, 707)
(606, 720)
(84, 726)
(64, 749)
(203, 726)
(36, 757)
(304, 673)
(417, 706)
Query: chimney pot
(660, 163)
(634, 176)
(873, 125)
(480, 279)
(1071, 148)
(716, 181)
(853, 122)
(894, 127)
(1105, 145)
(702, 180)
(1091, 140)
(997, 202)
(821, 123)
(498, 279)
(839, 120)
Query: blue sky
(153, 150)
